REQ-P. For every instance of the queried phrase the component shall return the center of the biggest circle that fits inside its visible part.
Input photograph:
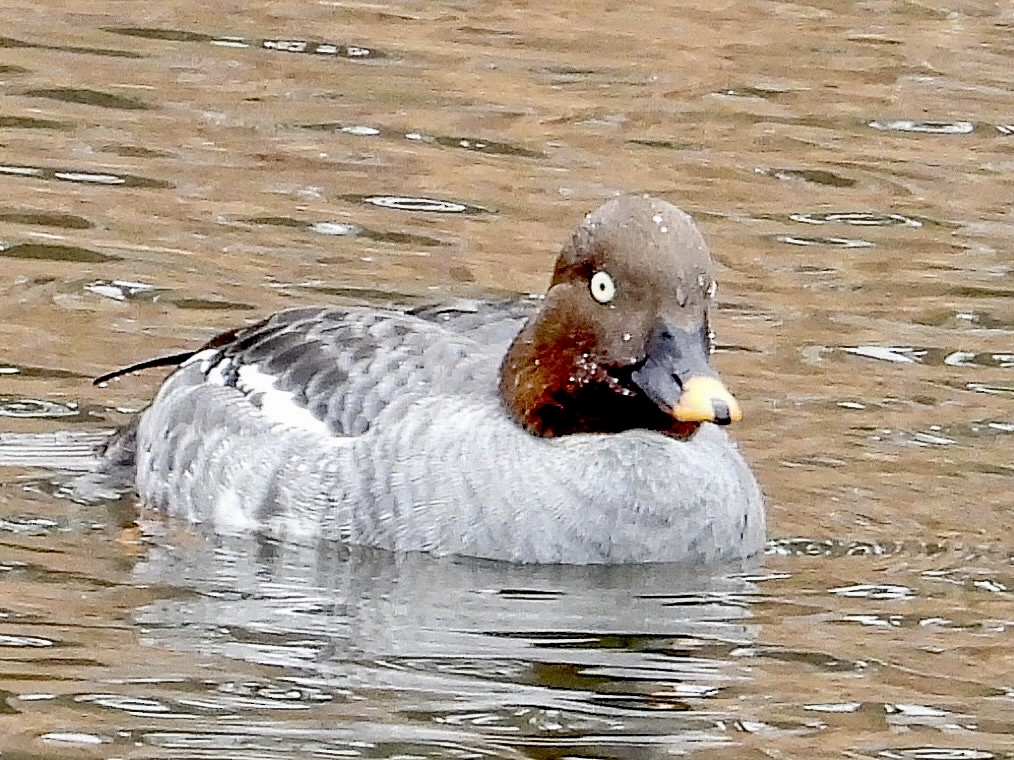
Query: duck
(585, 427)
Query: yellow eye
(602, 287)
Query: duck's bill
(706, 399)
(677, 377)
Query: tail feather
(102, 461)
(63, 450)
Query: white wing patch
(202, 357)
(276, 405)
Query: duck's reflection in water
(506, 649)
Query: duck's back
(336, 369)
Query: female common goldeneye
(583, 431)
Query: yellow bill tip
(706, 399)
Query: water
(172, 171)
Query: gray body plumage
(398, 439)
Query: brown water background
(169, 170)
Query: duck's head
(622, 339)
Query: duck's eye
(602, 287)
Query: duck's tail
(66, 450)
(102, 462)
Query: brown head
(622, 339)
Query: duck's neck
(551, 384)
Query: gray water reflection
(255, 649)
(461, 653)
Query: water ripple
(347, 229)
(418, 204)
(815, 176)
(283, 45)
(834, 242)
(87, 97)
(931, 356)
(36, 408)
(857, 219)
(74, 738)
(45, 218)
(53, 252)
(936, 753)
(874, 591)
(469, 143)
(133, 705)
(12, 42)
(924, 127)
(121, 290)
(24, 642)
(82, 177)
(829, 547)
(30, 122)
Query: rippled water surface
(169, 170)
